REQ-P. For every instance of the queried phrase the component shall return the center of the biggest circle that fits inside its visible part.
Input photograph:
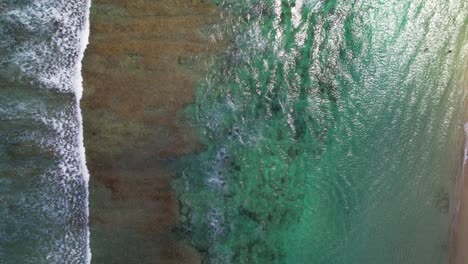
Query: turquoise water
(43, 179)
(330, 133)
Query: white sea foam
(79, 93)
(465, 158)
(216, 178)
(53, 57)
(50, 56)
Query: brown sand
(139, 73)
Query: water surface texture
(43, 178)
(330, 133)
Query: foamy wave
(78, 85)
(57, 35)
(465, 159)
(44, 43)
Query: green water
(330, 133)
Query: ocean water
(43, 177)
(331, 133)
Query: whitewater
(43, 174)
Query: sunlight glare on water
(329, 130)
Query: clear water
(43, 178)
(330, 133)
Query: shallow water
(331, 133)
(43, 178)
